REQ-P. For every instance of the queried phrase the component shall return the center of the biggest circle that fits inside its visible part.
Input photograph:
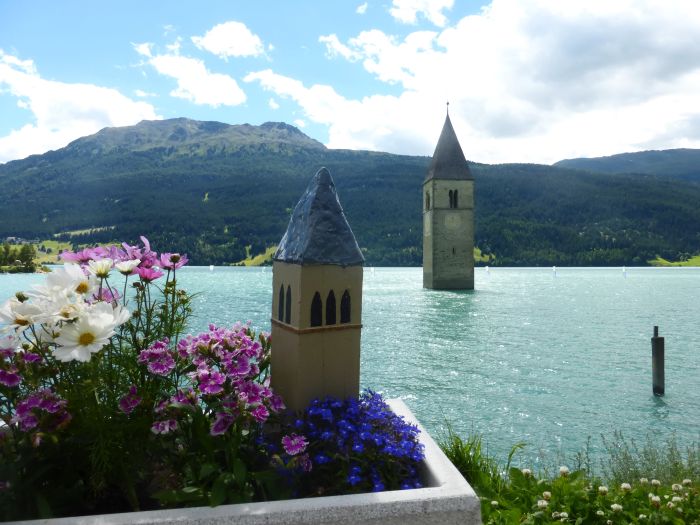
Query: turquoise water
(531, 355)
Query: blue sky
(527, 80)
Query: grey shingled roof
(448, 160)
(318, 232)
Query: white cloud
(230, 39)
(194, 81)
(407, 11)
(273, 104)
(361, 9)
(143, 94)
(62, 112)
(299, 123)
(528, 80)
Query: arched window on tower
(330, 308)
(427, 201)
(454, 199)
(280, 306)
(288, 306)
(451, 199)
(316, 310)
(345, 307)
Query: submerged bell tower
(317, 301)
(448, 217)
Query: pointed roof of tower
(318, 232)
(448, 160)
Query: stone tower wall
(448, 235)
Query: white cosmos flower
(19, 315)
(88, 334)
(101, 268)
(126, 267)
(70, 278)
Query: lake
(535, 355)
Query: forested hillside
(211, 190)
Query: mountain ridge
(218, 191)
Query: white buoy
(211, 267)
(554, 271)
(487, 269)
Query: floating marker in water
(211, 267)
(487, 269)
(554, 270)
(624, 271)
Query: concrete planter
(446, 499)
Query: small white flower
(676, 499)
(547, 495)
(655, 483)
(600, 513)
(609, 522)
(615, 507)
(20, 315)
(670, 504)
(555, 515)
(101, 268)
(494, 504)
(642, 516)
(655, 500)
(626, 487)
(603, 490)
(687, 482)
(676, 487)
(563, 515)
(542, 504)
(564, 471)
(527, 472)
(643, 481)
(127, 267)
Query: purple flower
(294, 444)
(10, 377)
(260, 413)
(158, 357)
(129, 402)
(164, 427)
(30, 357)
(210, 382)
(43, 407)
(107, 295)
(221, 423)
(148, 274)
(172, 261)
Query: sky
(526, 80)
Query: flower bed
(107, 406)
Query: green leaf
(206, 470)
(240, 471)
(218, 492)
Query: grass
(259, 259)
(480, 257)
(660, 261)
(43, 256)
(654, 483)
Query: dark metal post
(657, 363)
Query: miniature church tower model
(316, 301)
(448, 217)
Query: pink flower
(172, 261)
(148, 274)
(211, 382)
(129, 402)
(221, 423)
(294, 444)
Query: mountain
(677, 163)
(217, 191)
